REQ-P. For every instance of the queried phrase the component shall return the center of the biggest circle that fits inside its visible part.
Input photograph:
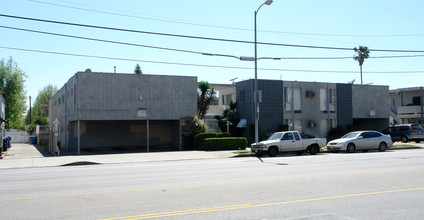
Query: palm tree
(206, 95)
(363, 53)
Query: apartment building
(313, 107)
(225, 94)
(116, 110)
(406, 105)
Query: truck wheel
(350, 148)
(313, 150)
(273, 151)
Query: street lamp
(256, 98)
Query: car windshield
(417, 127)
(275, 136)
(351, 135)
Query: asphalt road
(373, 185)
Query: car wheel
(272, 151)
(404, 139)
(382, 147)
(313, 149)
(350, 148)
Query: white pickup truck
(288, 141)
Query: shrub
(228, 143)
(336, 133)
(200, 138)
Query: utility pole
(422, 106)
(30, 110)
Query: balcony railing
(217, 109)
(409, 111)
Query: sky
(287, 25)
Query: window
(297, 125)
(296, 135)
(242, 96)
(328, 100)
(226, 99)
(393, 102)
(288, 136)
(416, 100)
(292, 99)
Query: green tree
(228, 115)
(363, 53)
(12, 80)
(206, 94)
(41, 105)
(137, 69)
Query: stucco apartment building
(313, 107)
(116, 110)
(406, 105)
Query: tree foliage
(206, 95)
(41, 105)
(228, 115)
(12, 80)
(363, 53)
(137, 69)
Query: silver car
(361, 140)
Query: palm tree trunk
(360, 67)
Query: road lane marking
(183, 212)
(18, 199)
(244, 206)
(80, 194)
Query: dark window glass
(288, 136)
(296, 135)
(242, 96)
(417, 127)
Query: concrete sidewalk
(25, 156)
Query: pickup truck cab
(288, 141)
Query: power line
(99, 40)
(220, 26)
(189, 51)
(201, 65)
(203, 38)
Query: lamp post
(256, 98)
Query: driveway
(24, 151)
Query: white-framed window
(298, 126)
(328, 100)
(293, 99)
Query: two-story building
(313, 107)
(116, 110)
(225, 94)
(406, 105)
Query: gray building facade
(118, 110)
(313, 107)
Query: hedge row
(228, 143)
(200, 138)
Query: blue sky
(377, 24)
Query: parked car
(288, 141)
(405, 133)
(361, 140)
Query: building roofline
(417, 88)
